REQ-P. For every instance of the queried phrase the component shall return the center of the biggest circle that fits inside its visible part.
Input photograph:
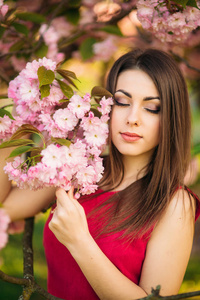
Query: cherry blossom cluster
(58, 29)
(72, 136)
(25, 92)
(168, 25)
(4, 222)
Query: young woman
(136, 231)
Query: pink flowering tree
(35, 36)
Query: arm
(166, 258)
(169, 248)
(5, 183)
(20, 204)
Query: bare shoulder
(181, 206)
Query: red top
(66, 280)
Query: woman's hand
(69, 223)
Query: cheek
(114, 120)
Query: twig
(155, 295)
(11, 279)
(176, 56)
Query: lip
(130, 137)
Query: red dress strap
(196, 198)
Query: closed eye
(117, 102)
(153, 111)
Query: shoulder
(178, 217)
(182, 204)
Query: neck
(134, 168)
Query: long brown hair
(136, 208)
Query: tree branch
(11, 279)
(182, 59)
(155, 295)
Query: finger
(71, 193)
(61, 196)
(65, 201)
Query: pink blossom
(52, 156)
(87, 97)
(28, 91)
(167, 25)
(86, 175)
(5, 123)
(79, 106)
(3, 239)
(105, 105)
(91, 122)
(62, 27)
(4, 9)
(104, 50)
(75, 155)
(9, 126)
(49, 34)
(88, 189)
(95, 138)
(65, 119)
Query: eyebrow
(129, 95)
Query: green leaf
(2, 30)
(185, 3)
(182, 2)
(86, 48)
(112, 29)
(74, 3)
(66, 89)
(73, 15)
(63, 142)
(45, 91)
(14, 143)
(67, 74)
(25, 129)
(192, 3)
(20, 28)
(20, 150)
(45, 76)
(100, 92)
(63, 100)
(96, 112)
(17, 46)
(33, 17)
(42, 51)
(4, 112)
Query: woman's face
(135, 119)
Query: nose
(133, 117)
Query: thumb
(71, 193)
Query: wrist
(82, 244)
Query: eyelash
(156, 111)
(120, 104)
(147, 109)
